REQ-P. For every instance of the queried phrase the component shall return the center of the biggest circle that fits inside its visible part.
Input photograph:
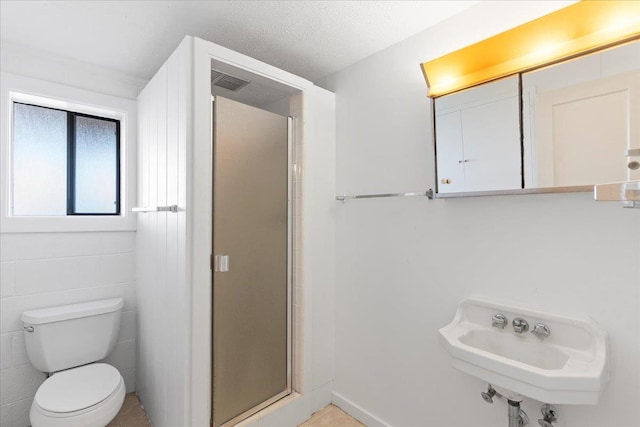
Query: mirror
(564, 127)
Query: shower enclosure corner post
(319, 240)
(199, 244)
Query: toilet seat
(87, 396)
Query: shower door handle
(221, 263)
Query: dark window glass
(64, 163)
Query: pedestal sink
(569, 366)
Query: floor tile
(331, 416)
(131, 414)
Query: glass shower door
(251, 366)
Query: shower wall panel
(163, 292)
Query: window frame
(27, 90)
(71, 159)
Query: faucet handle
(499, 321)
(541, 331)
(520, 325)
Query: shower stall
(236, 247)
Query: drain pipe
(517, 417)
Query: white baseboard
(357, 412)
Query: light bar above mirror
(568, 32)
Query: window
(64, 163)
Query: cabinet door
(583, 131)
(478, 138)
(491, 141)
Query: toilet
(66, 342)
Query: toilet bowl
(68, 342)
(87, 396)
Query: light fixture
(577, 29)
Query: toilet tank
(67, 336)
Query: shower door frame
(313, 109)
(290, 267)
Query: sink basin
(509, 346)
(568, 367)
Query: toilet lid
(78, 388)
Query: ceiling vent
(227, 81)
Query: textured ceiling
(309, 38)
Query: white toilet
(66, 342)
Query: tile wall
(46, 269)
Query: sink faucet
(520, 325)
(541, 331)
(499, 321)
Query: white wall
(53, 268)
(404, 264)
(48, 67)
